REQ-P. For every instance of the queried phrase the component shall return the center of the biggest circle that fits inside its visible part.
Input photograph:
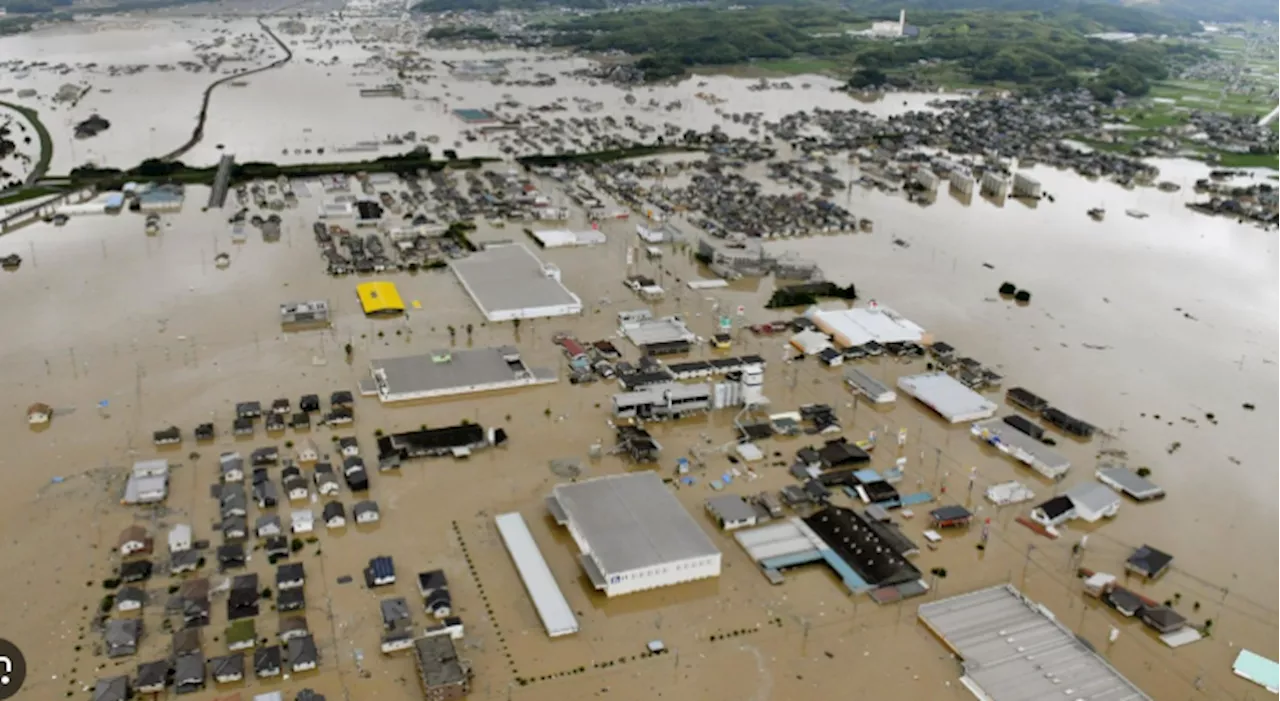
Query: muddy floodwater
(1141, 327)
(1160, 331)
(315, 102)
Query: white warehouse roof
(557, 617)
(631, 522)
(995, 631)
(947, 396)
(855, 327)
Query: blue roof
(382, 567)
(115, 199)
(1257, 669)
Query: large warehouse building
(632, 533)
(508, 282)
(1012, 649)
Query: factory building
(672, 400)
(632, 534)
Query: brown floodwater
(99, 311)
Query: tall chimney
(902, 22)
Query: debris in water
(1249, 406)
(1173, 447)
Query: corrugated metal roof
(557, 617)
(994, 631)
(632, 522)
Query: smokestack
(902, 22)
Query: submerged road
(198, 133)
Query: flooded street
(1158, 331)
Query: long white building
(633, 534)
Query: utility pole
(1025, 563)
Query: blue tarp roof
(1258, 670)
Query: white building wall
(496, 315)
(665, 575)
(389, 397)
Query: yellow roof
(379, 298)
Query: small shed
(1162, 619)
(954, 516)
(1148, 562)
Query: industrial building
(672, 400)
(632, 534)
(1130, 483)
(508, 282)
(995, 186)
(656, 336)
(457, 440)
(563, 238)
(443, 373)
(441, 673)
(869, 387)
(695, 369)
(1021, 447)
(947, 396)
(1026, 186)
(379, 299)
(868, 555)
(856, 327)
(554, 611)
(1012, 649)
(314, 311)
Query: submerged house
(366, 512)
(334, 515)
(302, 654)
(227, 669)
(134, 540)
(326, 480)
(121, 637)
(266, 662)
(152, 677)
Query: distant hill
(1122, 15)
(1216, 11)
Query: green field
(798, 66)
